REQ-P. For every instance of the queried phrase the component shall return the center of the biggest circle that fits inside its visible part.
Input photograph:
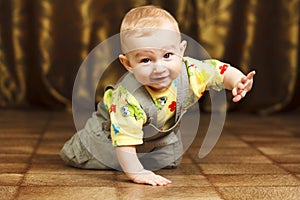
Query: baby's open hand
(242, 87)
(150, 178)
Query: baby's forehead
(152, 50)
(150, 39)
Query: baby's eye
(167, 55)
(145, 60)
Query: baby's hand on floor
(148, 177)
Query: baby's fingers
(151, 179)
(238, 88)
(239, 95)
(161, 180)
(236, 98)
(234, 91)
(251, 74)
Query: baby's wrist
(132, 175)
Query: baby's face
(156, 68)
(155, 59)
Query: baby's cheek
(143, 79)
(176, 73)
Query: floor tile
(26, 126)
(17, 146)
(267, 139)
(10, 179)
(237, 151)
(186, 159)
(290, 143)
(38, 168)
(15, 158)
(260, 193)
(287, 158)
(183, 169)
(50, 147)
(293, 168)
(241, 169)
(266, 130)
(13, 167)
(279, 150)
(5, 135)
(231, 143)
(8, 192)
(222, 159)
(167, 192)
(67, 193)
(87, 180)
(46, 159)
(188, 181)
(59, 134)
(254, 180)
(229, 151)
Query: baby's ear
(125, 62)
(183, 45)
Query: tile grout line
(207, 179)
(273, 162)
(278, 164)
(37, 145)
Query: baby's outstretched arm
(238, 82)
(134, 170)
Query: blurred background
(44, 42)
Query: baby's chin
(159, 88)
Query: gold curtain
(44, 42)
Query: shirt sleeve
(126, 115)
(205, 74)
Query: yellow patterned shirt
(127, 117)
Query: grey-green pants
(75, 154)
(91, 148)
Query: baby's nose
(159, 68)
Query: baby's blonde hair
(143, 21)
(146, 17)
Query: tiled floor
(255, 158)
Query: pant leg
(164, 154)
(75, 154)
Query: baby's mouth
(159, 78)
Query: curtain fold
(44, 42)
(12, 55)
